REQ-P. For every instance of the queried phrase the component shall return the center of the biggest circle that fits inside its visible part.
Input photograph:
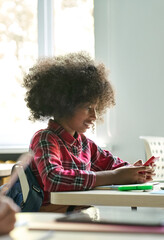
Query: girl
(73, 91)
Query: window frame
(45, 28)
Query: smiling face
(82, 119)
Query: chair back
(154, 146)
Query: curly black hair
(57, 86)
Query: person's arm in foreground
(8, 209)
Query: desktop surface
(26, 222)
(135, 198)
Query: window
(29, 28)
(18, 51)
(73, 26)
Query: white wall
(130, 41)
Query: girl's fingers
(138, 163)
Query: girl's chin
(84, 128)
(82, 131)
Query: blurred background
(126, 35)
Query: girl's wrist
(105, 178)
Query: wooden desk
(24, 219)
(109, 198)
(5, 169)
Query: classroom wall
(130, 41)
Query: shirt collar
(62, 133)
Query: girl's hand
(123, 175)
(132, 174)
(150, 173)
(138, 163)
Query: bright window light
(73, 26)
(18, 51)
(73, 30)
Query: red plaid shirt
(64, 163)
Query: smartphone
(150, 161)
